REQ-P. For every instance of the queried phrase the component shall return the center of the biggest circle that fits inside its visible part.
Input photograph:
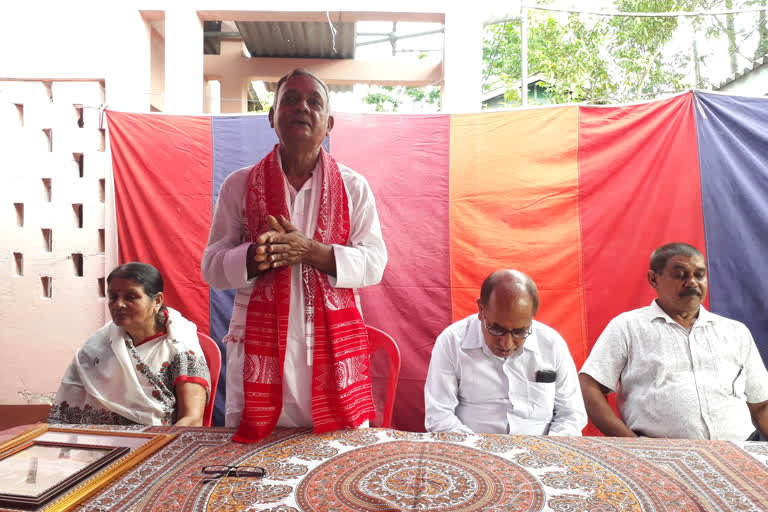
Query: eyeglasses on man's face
(237, 471)
(497, 330)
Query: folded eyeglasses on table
(220, 471)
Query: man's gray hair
(661, 255)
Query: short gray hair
(661, 255)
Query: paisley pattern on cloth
(381, 469)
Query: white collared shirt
(469, 389)
(360, 263)
(673, 383)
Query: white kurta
(673, 383)
(360, 263)
(469, 389)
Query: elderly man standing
(678, 370)
(501, 372)
(296, 234)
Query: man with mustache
(678, 370)
(296, 235)
(502, 372)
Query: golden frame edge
(106, 476)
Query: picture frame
(37, 471)
(53, 469)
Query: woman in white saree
(145, 366)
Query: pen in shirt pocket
(738, 374)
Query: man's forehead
(684, 261)
(501, 308)
(303, 82)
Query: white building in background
(750, 81)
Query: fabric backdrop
(577, 197)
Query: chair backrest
(213, 359)
(379, 339)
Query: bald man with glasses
(500, 371)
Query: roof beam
(384, 71)
(309, 16)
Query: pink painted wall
(42, 140)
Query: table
(388, 470)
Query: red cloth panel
(405, 160)
(163, 189)
(639, 188)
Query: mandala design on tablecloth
(716, 470)
(568, 480)
(284, 470)
(450, 437)
(760, 448)
(450, 477)
(593, 474)
(535, 451)
(406, 435)
(624, 482)
(357, 437)
(499, 443)
(309, 450)
(232, 493)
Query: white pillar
(234, 84)
(463, 59)
(127, 84)
(127, 80)
(183, 61)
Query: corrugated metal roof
(298, 40)
(762, 61)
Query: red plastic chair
(213, 359)
(379, 339)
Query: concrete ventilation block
(47, 239)
(19, 207)
(77, 262)
(49, 138)
(77, 209)
(78, 158)
(47, 190)
(47, 283)
(18, 263)
(79, 115)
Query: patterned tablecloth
(388, 470)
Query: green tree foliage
(389, 99)
(762, 45)
(591, 58)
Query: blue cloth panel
(732, 137)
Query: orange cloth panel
(514, 204)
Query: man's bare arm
(759, 412)
(599, 410)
